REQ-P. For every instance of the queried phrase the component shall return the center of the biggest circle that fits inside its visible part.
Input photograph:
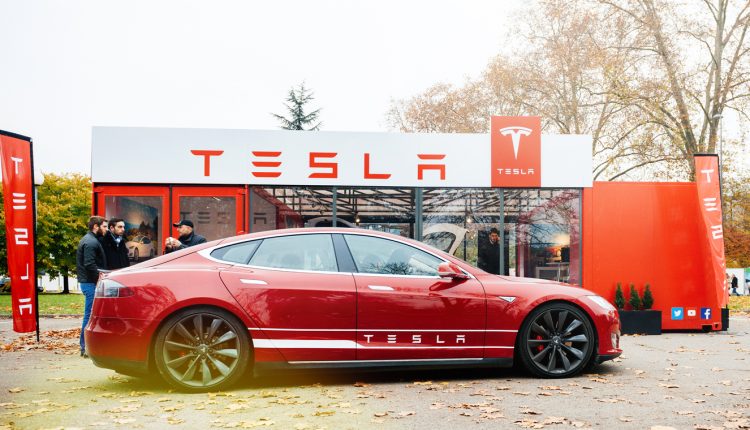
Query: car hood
(496, 284)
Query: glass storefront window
(390, 210)
(142, 217)
(214, 217)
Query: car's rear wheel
(202, 349)
(556, 341)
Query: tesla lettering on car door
(302, 304)
(406, 311)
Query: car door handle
(253, 281)
(380, 288)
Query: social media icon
(691, 312)
(705, 313)
(677, 314)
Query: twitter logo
(677, 314)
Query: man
(735, 284)
(90, 260)
(187, 237)
(114, 245)
(489, 253)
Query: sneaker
(84, 355)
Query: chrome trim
(386, 361)
(206, 253)
(253, 281)
(380, 287)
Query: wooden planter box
(640, 322)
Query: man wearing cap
(187, 237)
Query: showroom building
(449, 190)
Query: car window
(237, 252)
(297, 252)
(383, 256)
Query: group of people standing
(103, 249)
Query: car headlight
(602, 302)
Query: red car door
(406, 311)
(304, 307)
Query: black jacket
(489, 257)
(187, 241)
(89, 259)
(117, 254)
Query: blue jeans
(87, 288)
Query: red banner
(709, 196)
(516, 151)
(18, 195)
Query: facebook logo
(677, 314)
(705, 313)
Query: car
(140, 247)
(204, 316)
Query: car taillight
(109, 288)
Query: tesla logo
(516, 151)
(417, 339)
(16, 160)
(515, 134)
(708, 173)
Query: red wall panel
(650, 233)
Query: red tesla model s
(333, 297)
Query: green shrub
(635, 299)
(648, 298)
(619, 297)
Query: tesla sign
(515, 154)
(18, 195)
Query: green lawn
(50, 304)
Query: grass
(72, 304)
(50, 304)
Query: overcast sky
(69, 65)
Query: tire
(135, 254)
(556, 340)
(202, 349)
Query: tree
(298, 119)
(63, 208)
(619, 297)
(635, 299)
(648, 298)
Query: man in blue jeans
(90, 260)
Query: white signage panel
(271, 157)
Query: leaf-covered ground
(677, 380)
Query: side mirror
(451, 271)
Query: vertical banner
(709, 196)
(516, 151)
(18, 197)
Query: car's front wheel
(556, 341)
(202, 349)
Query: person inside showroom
(187, 238)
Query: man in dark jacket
(187, 237)
(489, 253)
(114, 245)
(90, 260)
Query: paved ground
(679, 380)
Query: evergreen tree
(298, 119)
(648, 298)
(635, 299)
(619, 297)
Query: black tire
(202, 349)
(556, 340)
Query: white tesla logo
(515, 134)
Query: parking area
(679, 380)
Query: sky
(66, 66)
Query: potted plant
(640, 319)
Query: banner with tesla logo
(516, 151)
(515, 154)
(18, 196)
(709, 195)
